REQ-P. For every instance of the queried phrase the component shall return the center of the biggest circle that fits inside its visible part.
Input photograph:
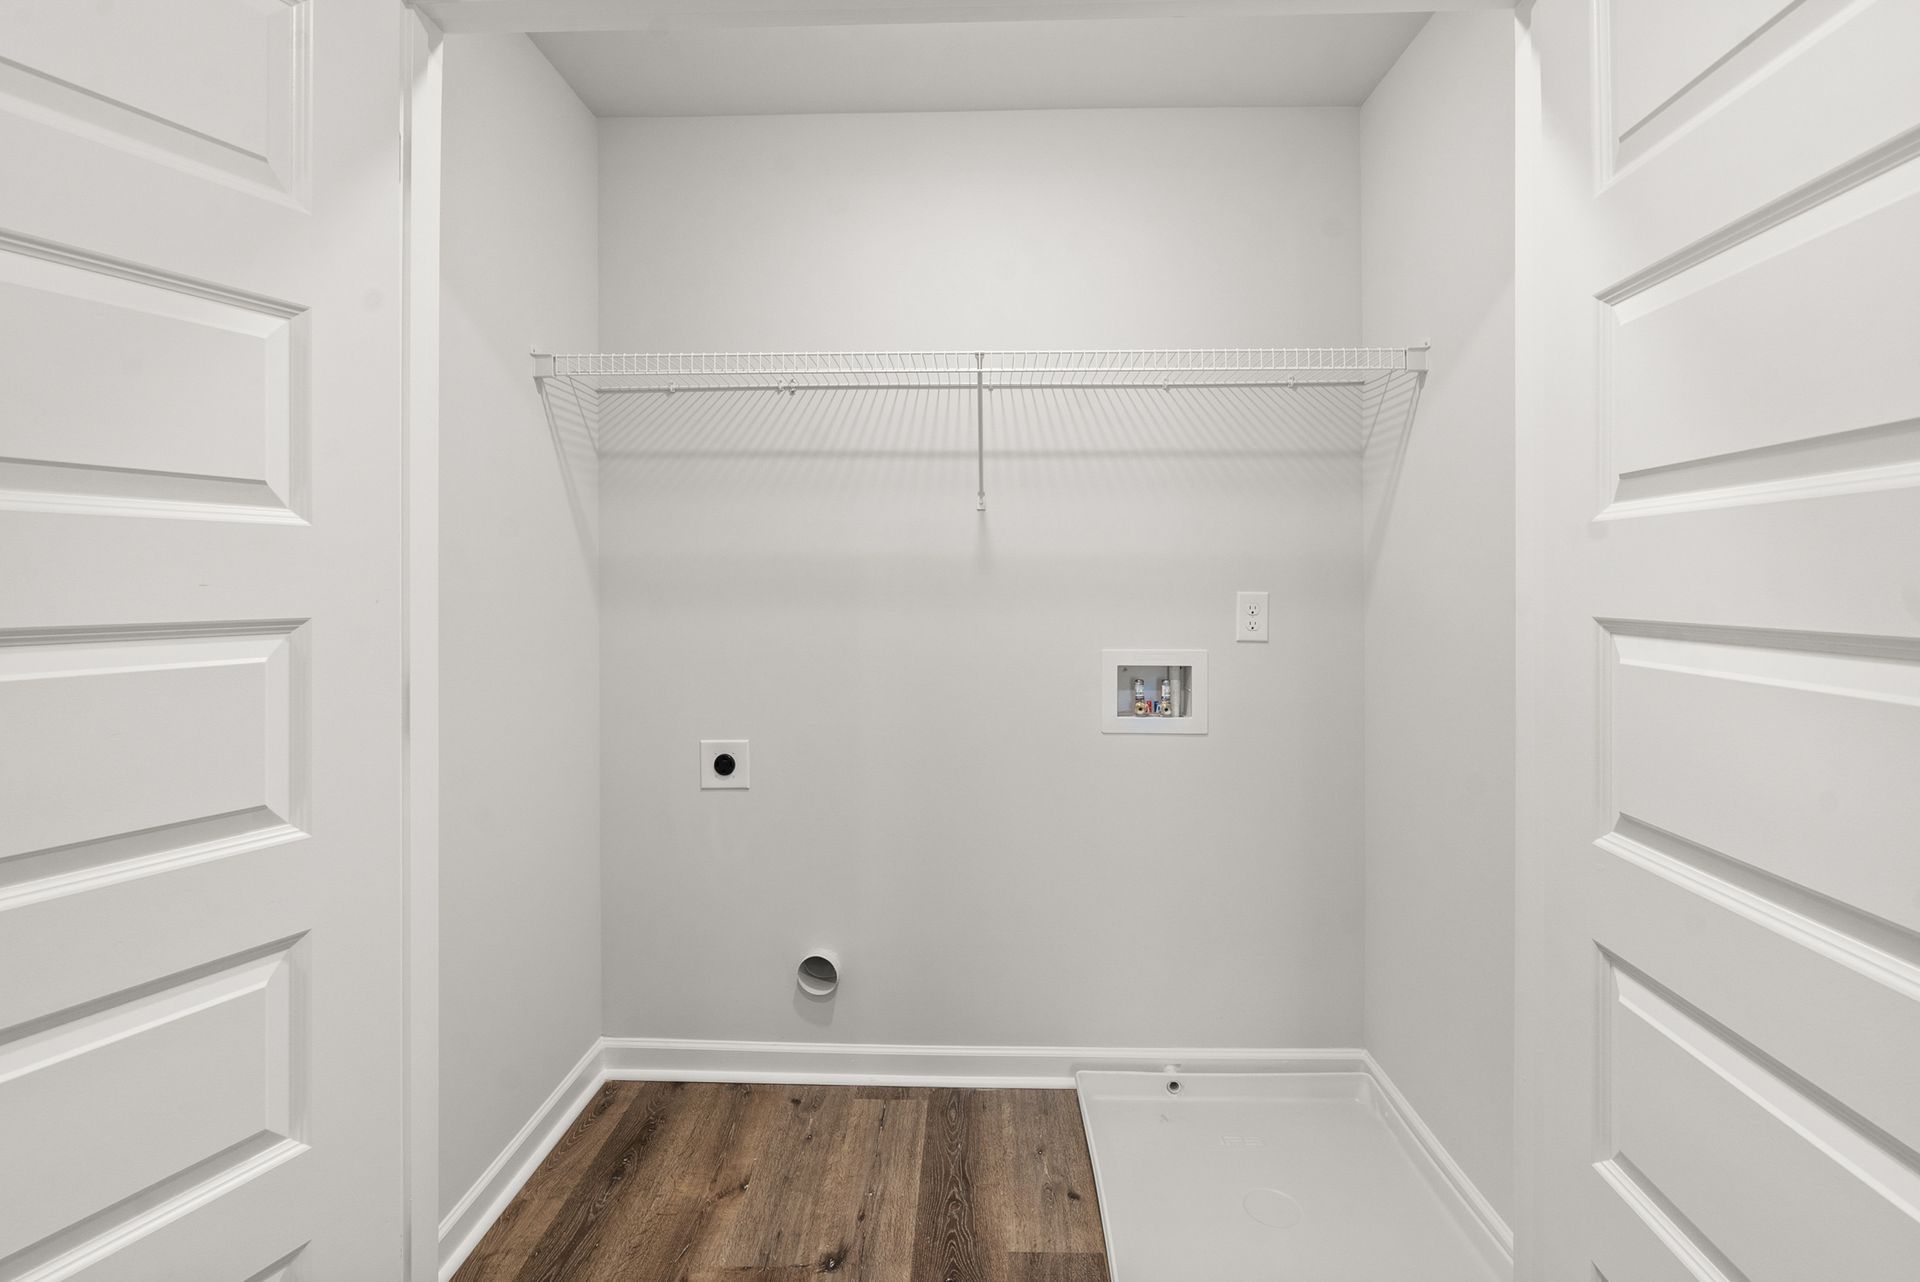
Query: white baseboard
(475, 1213)
(647, 1059)
(1489, 1232)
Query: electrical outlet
(1250, 617)
(724, 763)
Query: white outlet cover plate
(1111, 720)
(742, 763)
(1250, 617)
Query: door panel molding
(256, 140)
(204, 1063)
(108, 362)
(141, 714)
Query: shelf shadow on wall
(573, 424)
(1387, 414)
(1038, 443)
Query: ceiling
(1263, 61)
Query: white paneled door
(1721, 590)
(200, 858)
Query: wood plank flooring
(680, 1182)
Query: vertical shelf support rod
(980, 426)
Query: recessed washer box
(1153, 691)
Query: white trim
(466, 16)
(1489, 1232)
(420, 71)
(475, 1213)
(1536, 256)
(648, 1059)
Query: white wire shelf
(584, 376)
(1169, 368)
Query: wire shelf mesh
(1004, 370)
(580, 382)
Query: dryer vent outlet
(818, 975)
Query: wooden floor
(671, 1182)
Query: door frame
(420, 128)
(424, 26)
(509, 16)
(1532, 574)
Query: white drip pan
(1266, 1177)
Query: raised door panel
(1819, 101)
(1722, 1138)
(172, 737)
(1789, 753)
(215, 86)
(1829, 992)
(1657, 49)
(135, 392)
(185, 1083)
(1776, 369)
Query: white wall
(931, 795)
(520, 773)
(1437, 193)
